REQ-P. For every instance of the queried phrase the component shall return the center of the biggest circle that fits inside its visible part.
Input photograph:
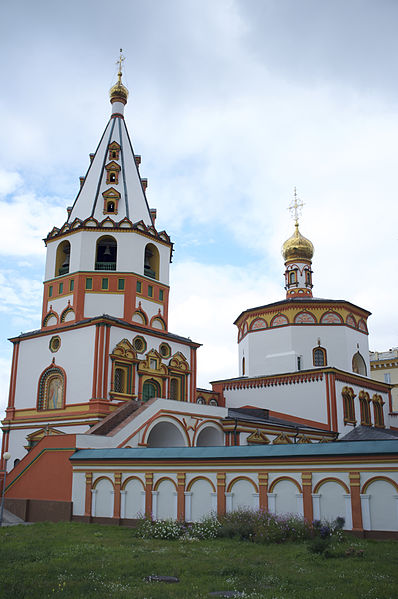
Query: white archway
(210, 436)
(166, 434)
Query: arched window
(358, 364)
(110, 206)
(62, 259)
(123, 357)
(378, 403)
(119, 384)
(150, 389)
(348, 405)
(319, 356)
(51, 392)
(174, 389)
(151, 261)
(106, 254)
(243, 365)
(292, 277)
(364, 401)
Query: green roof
(339, 448)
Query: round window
(139, 344)
(55, 344)
(164, 350)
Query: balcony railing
(105, 266)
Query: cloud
(232, 104)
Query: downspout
(235, 432)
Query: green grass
(90, 561)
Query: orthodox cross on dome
(296, 207)
(120, 63)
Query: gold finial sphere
(297, 246)
(118, 92)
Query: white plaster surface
(304, 399)
(96, 304)
(275, 350)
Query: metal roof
(343, 448)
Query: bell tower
(103, 338)
(108, 257)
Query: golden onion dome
(297, 246)
(119, 92)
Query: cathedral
(105, 421)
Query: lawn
(90, 561)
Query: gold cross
(120, 61)
(295, 207)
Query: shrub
(324, 534)
(160, 529)
(208, 528)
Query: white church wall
(133, 432)
(103, 497)
(382, 498)
(379, 498)
(134, 499)
(151, 308)
(346, 428)
(304, 399)
(332, 501)
(83, 253)
(75, 356)
(275, 350)
(78, 493)
(201, 499)
(244, 495)
(17, 441)
(103, 303)
(165, 501)
(287, 498)
(60, 303)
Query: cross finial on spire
(120, 63)
(295, 208)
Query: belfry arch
(358, 364)
(62, 259)
(106, 253)
(151, 261)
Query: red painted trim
(328, 400)
(106, 362)
(356, 507)
(100, 361)
(221, 503)
(180, 496)
(88, 495)
(117, 497)
(332, 379)
(263, 490)
(306, 482)
(129, 297)
(148, 494)
(94, 394)
(13, 379)
(303, 421)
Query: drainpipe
(296, 435)
(236, 426)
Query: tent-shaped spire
(112, 185)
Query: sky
(232, 104)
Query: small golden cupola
(118, 92)
(297, 252)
